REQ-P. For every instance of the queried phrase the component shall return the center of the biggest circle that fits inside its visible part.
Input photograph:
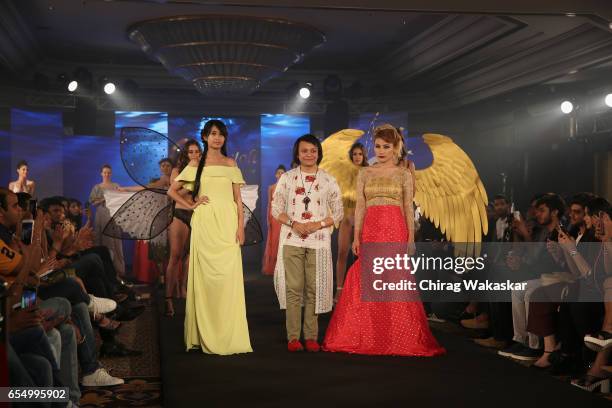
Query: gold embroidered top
(385, 186)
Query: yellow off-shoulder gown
(215, 312)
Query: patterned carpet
(142, 386)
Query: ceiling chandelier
(225, 54)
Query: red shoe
(294, 345)
(312, 346)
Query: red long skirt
(379, 328)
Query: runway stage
(468, 376)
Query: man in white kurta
(304, 272)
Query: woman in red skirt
(384, 214)
(274, 227)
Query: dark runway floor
(468, 376)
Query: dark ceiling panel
(397, 50)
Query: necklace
(306, 199)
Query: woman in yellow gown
(215, 312)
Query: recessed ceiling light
(573, 71)
(570, 14)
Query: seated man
(19, 263)
(93, 264)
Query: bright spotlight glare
(608, 100)
(305, 93)
(73, 85)
(109, 88)
(567, 107)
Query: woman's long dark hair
(183, 159)
(206, 132)
(364, 152)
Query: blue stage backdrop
(70, 165)
(278, 133)
(37, 137)
(364, 121)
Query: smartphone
(33, 208)
(517, 215)
(27, 230)
(601, 223)
(562, 228)
(87, 205)
(28, 298)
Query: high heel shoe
(591, 383)
(169, 306)
(599, 341)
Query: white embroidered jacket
(287, 199)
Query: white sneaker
(433, 318)
(101, 305)
(599, 341)
(100, 378)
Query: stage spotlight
(608, 100)
(73, 85)
(567, 107)
(109, 88)
(305, 93)
(305, 90)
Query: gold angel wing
(336, 161)
(452, 196)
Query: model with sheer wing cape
(148, 212)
